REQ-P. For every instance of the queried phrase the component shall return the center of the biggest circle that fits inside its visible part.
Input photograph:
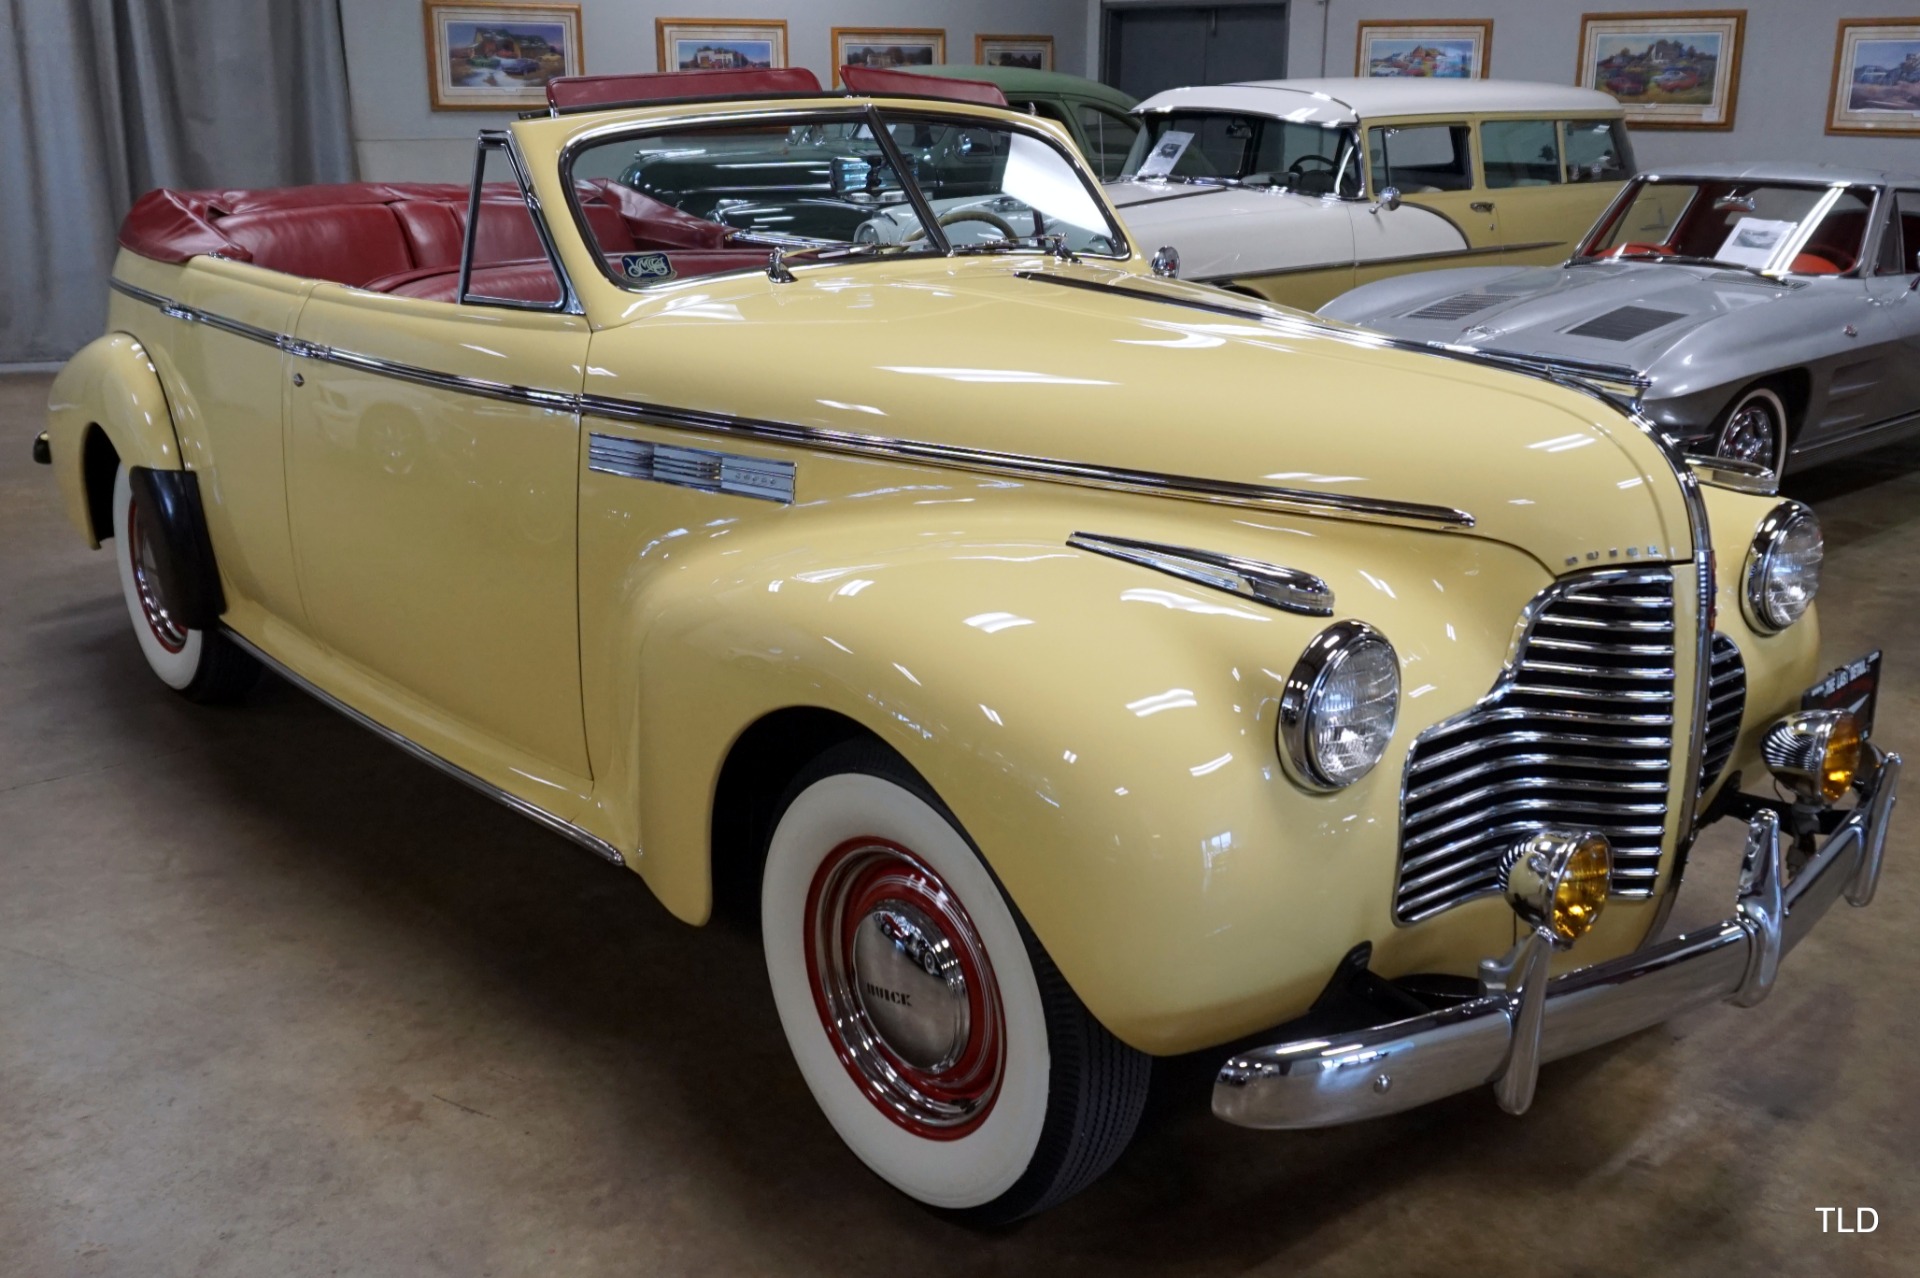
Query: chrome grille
(1726, 703)
(1578, 732)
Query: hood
(1106, 368)
(1215, 226)
(1606, 313)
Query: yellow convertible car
(1067, 665)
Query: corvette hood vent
(1460, 304)
(1625, 324)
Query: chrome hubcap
(146, 585)
(1749, 434)
(904, 990)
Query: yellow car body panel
(414, 545)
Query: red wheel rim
(168, 633)
(883, 930)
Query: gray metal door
(1147, 48)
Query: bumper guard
(1523, 1019)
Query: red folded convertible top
(574, 91)
(873, 80)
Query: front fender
(111, 384)
(1105, 733)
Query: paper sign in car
(1754, 240)
(1166, 153)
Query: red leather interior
(571, 91)
(878, 82)
(406, 238)
(351, 242)
(1813, 264)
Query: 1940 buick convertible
(1059, 694)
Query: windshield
(1775, 228)
(1254, 150)
(718, 196)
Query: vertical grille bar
(1578, 732)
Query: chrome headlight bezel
(1300, 703)
(1763, 559)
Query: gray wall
(398, 136)
(1786, 66)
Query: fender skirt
(167, 504)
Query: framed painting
(499, 57)
(1034, 52)
(1669, 70)
(1443, 49)
(1876, 77)
(888, 49)
(720, 44)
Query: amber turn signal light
(1557, 881)
(1815, 753)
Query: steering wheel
(1298, 165)
(951, 216)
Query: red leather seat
(407, 238)
(347, 243)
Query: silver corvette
(1765, 312)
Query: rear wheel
(1754, 429)
(201, 665)
(930, 1025)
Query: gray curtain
(101, 100)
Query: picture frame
(488, 56)
(888, 48)
(1034, 52)
(1441, 48)
(720, 44)
(1675, 69)
(1871, 92)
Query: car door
(1440, 217)
(432, 490)
(1879, 379)
(1543, 198)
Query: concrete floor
(276, 999)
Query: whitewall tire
(194, 663)
(930, 1026)
(1754, 429)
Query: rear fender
(110, 387)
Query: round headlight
(1338, 710)
(1783, 568)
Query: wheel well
(99, 463)
(761, 765)
(1794, 386)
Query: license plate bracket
(1854, 686)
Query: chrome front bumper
(1523, 1019)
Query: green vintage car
(824, 181)
(1097, 115)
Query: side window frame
(1558, 126)
(568, 302)
(1892, 225)
(1467, 125)
(1110, 118)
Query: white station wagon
(1298, 190)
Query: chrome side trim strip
(697, 468)
(565, 829)
(1288, 589)
(1464, 254)
(817, 439)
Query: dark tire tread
(1098, 1088)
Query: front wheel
(930, 1025)
(200, 665)
(1754, 429)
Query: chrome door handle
(1481, 206)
